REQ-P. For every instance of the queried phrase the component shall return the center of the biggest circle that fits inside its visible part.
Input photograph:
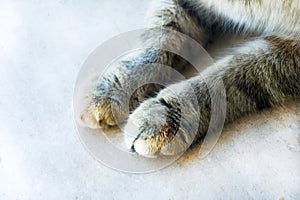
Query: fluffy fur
(260, 73)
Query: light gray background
(42, 46)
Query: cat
(262, 72)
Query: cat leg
(259, 74)
(113, 87)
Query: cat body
(262, 72)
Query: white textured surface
(42, 45)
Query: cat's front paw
(159, 126)
(108, 100)
(116, 94)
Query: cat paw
(108, 99)
(159, 126)
(114, 96)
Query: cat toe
(98, 115)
